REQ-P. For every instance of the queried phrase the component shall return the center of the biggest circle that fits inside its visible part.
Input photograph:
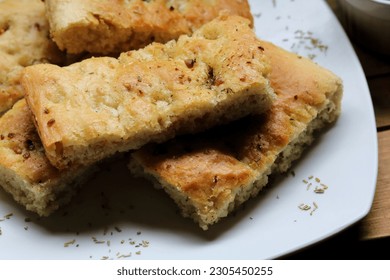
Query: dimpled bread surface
(93, 109)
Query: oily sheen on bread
(108, 26)
(25, 172)
(93, 109)
(210, 174)
(24, 40)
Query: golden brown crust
(24, 40)
(117, 26)
(308, 96)
(92, 109)
(25, 172)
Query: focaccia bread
(25, 172)
(100, 106)
(114, 26)
(24, 40)
(209, 175)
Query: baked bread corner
(26, 173)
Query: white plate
(115, 215)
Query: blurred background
(367, 24)
(374, 56)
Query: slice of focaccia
(24, 40)
(25, 172)
(93, 109)
(209, 175)
(107, 26)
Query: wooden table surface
(371, 235)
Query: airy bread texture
(25, 172)
(24, 40)
(107, 26)
(100, 106)
(209, 175)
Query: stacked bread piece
(211, 174)
(214, 76)
(258, 104)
